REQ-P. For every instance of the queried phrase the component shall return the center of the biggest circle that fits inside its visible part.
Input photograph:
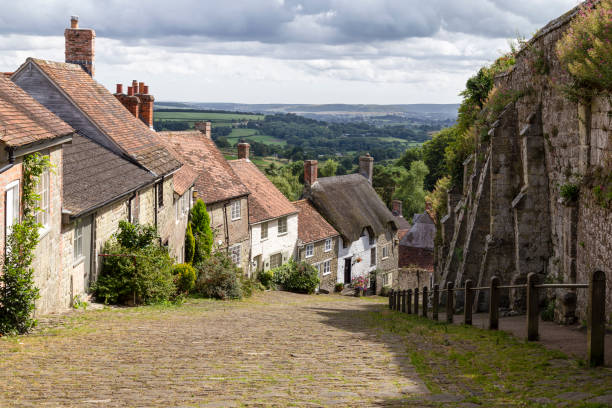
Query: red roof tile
(23, 120)
(109, 115)
(266, 201)
(216, 181)
(312, 226)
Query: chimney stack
(310, 172)
(119, 89)
(80, 45)
(366, 166)
(146, 104)
(205, 128)
(396, 208)
(243, 150)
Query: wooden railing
(402, 300)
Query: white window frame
(328, 244)
(235, 251)
(236, 210)
(373, 258)
(280, 255)
(285, 229)
(309, 251)
(385, 251)
(387, 279)
(14, 203)
(326, 270)
(264, 227)
(77, 242)
(43, 191)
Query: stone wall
(318, 257)
(237, 231)
(410, 278)
(511, 220)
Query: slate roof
(422, 233)
(266, 201)
(216, 181)
(23, 120)
(350, 204)
(109, 115)
(312, 226)
(93, 176)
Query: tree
(329, 168)
(411, 191)
(200, 226)
(410, 155)
(189, 244)
(386, 180)
(434, 155)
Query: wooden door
(347, 270)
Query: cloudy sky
(285, 51)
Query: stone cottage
(317, 244)
(509, 218)
(273, 220)
(223, 192)
(368, 244)
(28, 127)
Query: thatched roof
(350, 204)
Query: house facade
(273, 220)
(368, 244)
(317, 244)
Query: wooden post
(391, 299)
(404, 301)
(425, 300)
(533, 313)
(409, 302)
(494, 304)
(436, 302)
(397, 300)
(450, 302)
(469, 300)
(596, 318)
(416, 301)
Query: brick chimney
(310, 172)
(146, 105)
(366, 166)
(205, 128)
(80, 45)
(243, 150)
(396, 208)
(131, 102)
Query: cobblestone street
(277, 349)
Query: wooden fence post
(425, 300)
(450, 302)
(391, 299)
(469, 300)
(494, 304)
(416, 301)
(533, 313)
(596, 318)
(409, 302)
(397, 300)
(404, 301)
(436, 302)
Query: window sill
(308, 256)
(263, 239)
(385, 257)
(327, 274)
(78, 261)
(283, 234)
(43, 232)
(235, 219)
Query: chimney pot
(243, 150)
(74, 21)
(366, 166)
(396, 208)
(135, 86)
(310, 172)
(141, 86)
(119, 88)
(146, 90)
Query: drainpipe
(11, 157)
(226, 227)
(155, 212)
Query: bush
(134, 236)
(184, 277)
(297, 277)
(385, 291)
(266, 278)
(189, 244)
(569, 192)
(200, 224)
(249, 286)
(339, 287)
(219, 277)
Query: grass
(235, 137)
(491, 368)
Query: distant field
(205, 116)
(249, 135)
(260, 162)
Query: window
(326, 267)
(309, 250)
(385, 253)
(328, 245)
(160, 194)
(276, 260)
(12, 207)
(264, 231)
(372, 256)
(78, 240)
(42, 189)
(235, 210)
(282, 225)
(387, 278)
(235, 253)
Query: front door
(347, 270)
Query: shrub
(266, 278)
(184, 277)
(548, 312)
(200, 224)
(189, 244)
(297, 277)
(339, 287)
(219, 277)
(248, 286)
(385, 291)
(569, 192)
(136, 269)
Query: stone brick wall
(318, 257)
(237, 230)
(411, 278)
(420, 257)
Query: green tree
(434, 152)
(410, 155)
(189, 244)
(411, 191)
(287, 183)
(386, 180)
(200, 226)
(329, 168)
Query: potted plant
(360, 283)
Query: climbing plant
(17, 290)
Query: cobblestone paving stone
(277, 349)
